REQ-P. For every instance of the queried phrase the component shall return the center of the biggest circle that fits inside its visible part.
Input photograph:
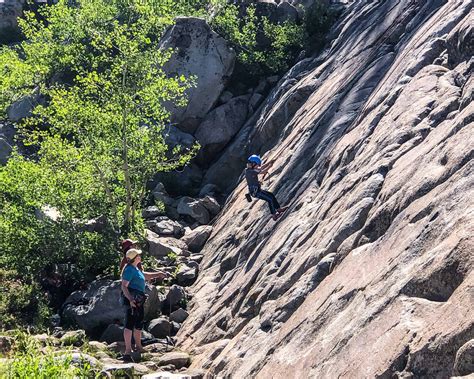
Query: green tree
(100, 69)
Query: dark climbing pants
(269, 198)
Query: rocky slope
(369, 273)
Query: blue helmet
(255, 159)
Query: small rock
(160, 327)
(177, 359)
(152, 212)
(158, 347)
(175, 326)
(127, 370)
(74, 338)
(196, 258)
(79, 359)
(179, 315)
(113, 333)
(196, 238)
(117, 347)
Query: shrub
(22, 302)
(30, 360)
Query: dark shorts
(134, 318)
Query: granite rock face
(370, 271)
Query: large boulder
(9, 13)
(162, 246)
(193, 208)
(220, 125)
(202, 53)
(99, 306)
(196, 238)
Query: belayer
(255, 168)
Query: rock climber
(255, 168)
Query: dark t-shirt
(251, 174)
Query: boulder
(266, 8)
(96, 225)
(9, 12)
(286, 12)
(186, 275)
(99, 306)
(195, 239)
(163, 226)
(220, 125)
(182, 181)
(175, 326)
(176, 137)
(177, 359)
(176, 295)
(202, 53)
(113, 333)
(179, 315)
(152, 212)
(161, 195)
(160, 327)
(209, 189)
(464, 363)
(211, 205)
(162, 246)
(22, 108)
(193, 208)
(5, 151)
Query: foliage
(318, 19)
(21, 303)
(263, 47)
(100, 69)
(30, 360)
